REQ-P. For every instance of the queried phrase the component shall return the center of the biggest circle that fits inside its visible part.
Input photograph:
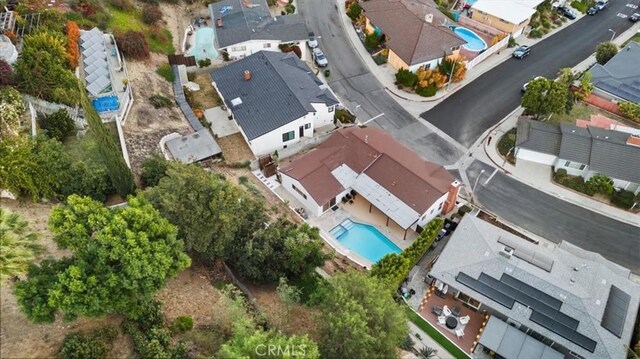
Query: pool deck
(470, 55)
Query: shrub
(133, 44)
(344, 116)
(154, 168)
(327, 73)
(506, 145)
(290, 9)
(371, 42)
(159, 101)
(427, 91)
(406, 78)
(204, 62)
(94, 345)
(122, 5)
(464, 209)
(600, 184)
(7, 76)
(623, 199)
(575, 183)
(73, 35)
(512, 42)
(561, 172)
(182, 324)
(605, 51)
(535, 33)
(58, 125)
(165, 71)
(354, 11)
(151, 14)
(225, 56)
(630, 110)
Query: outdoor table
(451, 322)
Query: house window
(299, 191)
(288, 136)
(575, 165)
(266, 46)
(239, 48)
(307, 126)
(440, 206)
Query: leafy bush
(561, 172)
(600, 184)
(165, 71)
(354, 11)
(87, 346)
(406, 78)
(464, 210)
(630, 110)
(605, 51)
(58, 125)
(579, 6)
(344, 116)
(427, 91)
(327, 73)
(89, 179)
(535, 33)
(290, 9)
(7, 76)
(512, 42)
(506, 145)
(73, 35)
(154, 168)
(371, 42)
(623, 199)
(204, 62)
(151, 14)
(159, 101)
(122, 5)
(133, 44)
(575, 183)
(182, 324)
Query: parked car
(450, 225)
(566, 12)
(524, 87)
(602, 4)
(592, 10)
(319, 58)
(443, 232)
(521, 52)
(635, 17)
(312, 42)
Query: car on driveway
(592, 10)
(635, 17)
(566, 12)
(312, 42)
(521, 52)
(319, 58)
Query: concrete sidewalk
(539, 176)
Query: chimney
(247, 75)
(428, 18)
(450, 202)
(219, 22)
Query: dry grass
(235, 149)
(207, 96)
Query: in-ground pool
(364, 240)
(474, 42)
(105, 104)
(203, 44)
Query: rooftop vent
(246, 75)
(219, 22)
(236, 102)
(428, 18)
(506, 252)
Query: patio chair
(459, 333)
(442, 319)
(464, 320)
(446, 311)
(455, 311)
(437, 310)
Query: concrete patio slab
(221, 125)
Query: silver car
(312, 41)
(319, 58)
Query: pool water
(105, 104)
(203, 45)
(474, 42)
(364, 240)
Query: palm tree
(18, 246)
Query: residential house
(275, 98)
(582, 151)
(619, 79)
(543, 301)
(416, 36)
(244, 27)
(370, 163)
(511, 16)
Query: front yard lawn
(436, 335)
(581, 111)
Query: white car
(319, 58)
(313, 41)
(524, 87)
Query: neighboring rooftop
(620, 76)
(408, 33)
(281, 89)
(611, 153)
(515, 11)
(194, 147)
(97, 75)
(509, 342)
(388, 174)
(244, 20)
(578, 303)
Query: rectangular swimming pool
(364, 240)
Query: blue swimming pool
(105, 104)
(364, 240)
(474, 42)
(203, 45)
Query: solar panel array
(545, 308)
(522, 251)
(615, 312)
(628, 92)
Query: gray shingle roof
(612, 156)
(250, 20)
(575, 144)
(282, 89)
(621, 75)
(94, 58)
(538, 136)
(473, 249)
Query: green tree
(18, 245)
(544, 97)
(586, 87)
(283, 249)
(360, 319)
(371, 42)
(11, 108)
(58, 125)
(600, 184)
(121, 258)
(208, 210)
(153, 169)
(630, 110)
(605, 51)
(566, 76)
(119, 173)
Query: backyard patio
(459, 323)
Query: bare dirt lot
(206, 97)
(235, 149)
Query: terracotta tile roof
(598, 121)
(415, 181)
(412, 38)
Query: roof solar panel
(615, 311)
(485, 290)
(531, 291)
(563, 331)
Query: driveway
(478, 106)
(351, 80)
(555, 219)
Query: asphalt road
(555, 219)
(475, 108)
(351, 80)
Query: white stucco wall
(536, 157)
(432, 64)
(560, 163)
(309, 203)
(432, 211)
(272, 141)
(322, 117)
(244, 49)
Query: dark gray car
(521, 52)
